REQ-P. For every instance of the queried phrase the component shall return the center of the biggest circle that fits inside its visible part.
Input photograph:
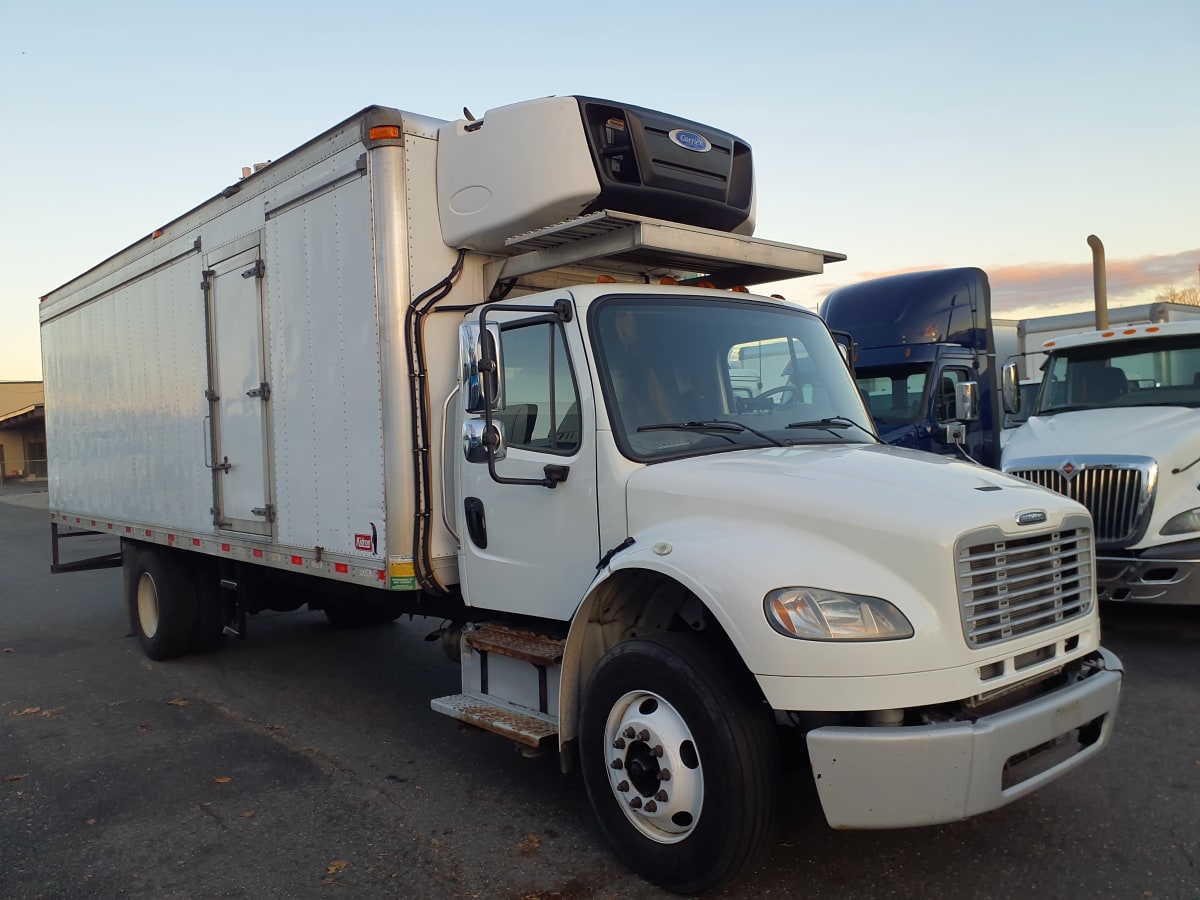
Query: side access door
(238, 392)
(527, 508)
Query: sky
(905, 135)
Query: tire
(208, 629)
(719, 751)
(163, 601)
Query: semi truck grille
(1118, 495)
(1010, 587)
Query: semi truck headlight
(813, 614)
(1182, 523)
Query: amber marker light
(668, 279)
(740, 289)
(605, 279)
(384, 132)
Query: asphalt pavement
(305, 762)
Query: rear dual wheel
(163, 600)
(681, 761)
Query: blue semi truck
(928, 358)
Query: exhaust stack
(1099, 281)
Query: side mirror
(475, 447)
(1010, 388)
(966, 401)
(476, 347)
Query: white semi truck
(1033, 333)
(1116, 426)
(472, 370)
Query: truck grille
(1119, 495)
(1010, 587)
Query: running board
(496, 718)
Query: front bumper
(1144, 579)
(896, 777)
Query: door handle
(476, 523)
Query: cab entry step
(496, 718)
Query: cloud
(1042, 289)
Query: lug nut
(651, 806)
(617, 764)
(658, 750)
(643, 735)
(619, 744)
(664, 774)
(636, 803)
(661, 796)
(630, 733)
(624, 786)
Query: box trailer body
(1116, 425)
(429, 367)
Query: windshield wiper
(711, 425)
(832, 423)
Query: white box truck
(483, 370)
(1116, 425)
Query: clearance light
(1129, 331)
(384, 132)
(1049, 344)
(668, 279)
(740, 289)
(813, 614)
(778, 297)
(605, 279)
(1152, 329)
(1108, 334)
(705, 284)
(156, 234)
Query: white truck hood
(865, 489)
(871, 520)
(1170, 434)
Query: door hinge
(211, 395)
(267, 512)
(258, 270)
(263, 390)
(223, 466)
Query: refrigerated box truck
(484, 370)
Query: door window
(541, 400)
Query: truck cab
(926, 361)
(1116, 426)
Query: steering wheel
(788, 395)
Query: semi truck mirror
(1010, 390)
(966, 401)
(480, 360)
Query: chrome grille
(1011, 587)
(1118, 495)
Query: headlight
(1182, 523)
(813, 614)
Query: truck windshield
(895, 394)
(1162, 371)
(687, 376)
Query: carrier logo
(1031, 517)
(690, 140)
(1068, 470)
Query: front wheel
(681, 762)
